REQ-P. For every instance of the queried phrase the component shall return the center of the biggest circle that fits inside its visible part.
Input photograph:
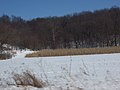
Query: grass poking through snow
(27, 78)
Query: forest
(87, 29)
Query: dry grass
(28, 79)
(81, 51)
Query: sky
(29, 9)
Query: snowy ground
(83, 72)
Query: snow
(82, 72)
(20, 53)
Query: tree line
(100, 28)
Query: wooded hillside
(100, 28)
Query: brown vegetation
(28, 79)
(5, 56)
(81, 51)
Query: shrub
(5, 56)
(28, 79)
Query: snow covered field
(83, 72)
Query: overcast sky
(29, 9)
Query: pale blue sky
(29, 9)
